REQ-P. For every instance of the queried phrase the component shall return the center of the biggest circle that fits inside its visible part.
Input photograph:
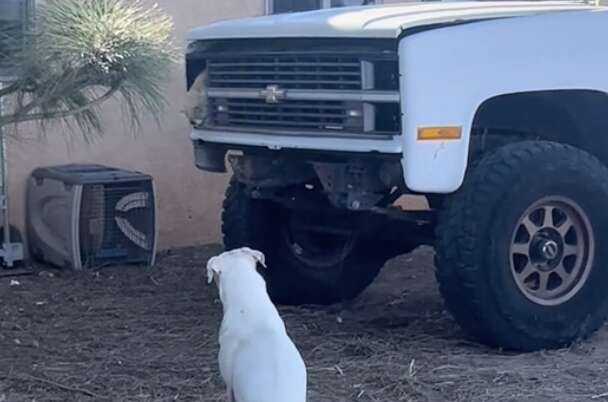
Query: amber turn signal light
(440, 133)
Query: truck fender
(448, 73)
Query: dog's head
(243, 256)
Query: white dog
(258, 360)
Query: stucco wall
(188, 199)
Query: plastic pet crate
(89, 216)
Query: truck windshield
(290, 6)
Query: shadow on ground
(135, 334)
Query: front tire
(522, 247)
(302, 268)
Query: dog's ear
(258, 256)
(213, 269)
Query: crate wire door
(116, 223)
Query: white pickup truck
(496, 112)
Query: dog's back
(269, 368)
(258, 359)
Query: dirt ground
(135, 334)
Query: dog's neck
(245, 298)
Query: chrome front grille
(291, 115)
(289, 71)
(347, 87)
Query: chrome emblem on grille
(273, 94)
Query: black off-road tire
(474, 236)
(258, 224)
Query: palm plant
(81, 53)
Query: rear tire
(299, 270)
(522, 247)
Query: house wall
(188, 199)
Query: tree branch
(14, 87)
(56, 92)
(20, 118)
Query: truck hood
(386, 21)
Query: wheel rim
(317, 243)
(552, 249)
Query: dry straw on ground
(131, 334)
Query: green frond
(81, 49)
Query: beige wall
(188, 199)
